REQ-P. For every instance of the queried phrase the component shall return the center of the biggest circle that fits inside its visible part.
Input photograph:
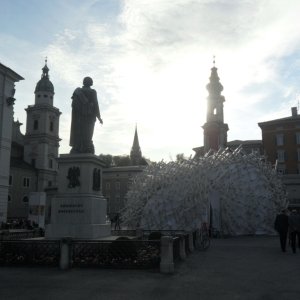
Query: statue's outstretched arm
(97, 108)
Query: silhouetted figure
(282, 226)
(117, 222)
(85, 110)
(294, 228)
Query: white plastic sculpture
(177, 195)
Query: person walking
(281, 225)
(117, 222)
(294, 228)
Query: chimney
(294, 112)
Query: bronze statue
(85, 110)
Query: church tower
(136, 153)
(215, 130)
(42, 127)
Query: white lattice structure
(243, 191)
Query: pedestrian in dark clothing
(117, 222)
(294, 228)
(281, 226)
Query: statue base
(79, 209)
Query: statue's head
(87, 81)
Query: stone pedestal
(79, 209)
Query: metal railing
(32, 252)
(19, 234)
(116, 254)
(128, 253)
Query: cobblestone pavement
(234, 268)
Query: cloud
(151, 60)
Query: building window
(118, 202)
(118, 185)
(49, 183)
(280, 156)
(33, 161)
(280, 169)
(25, 199)
(50, 163)
(51, 125)
(35, 124)
(8, 198)
(107, 185)
(26, 182)
(10, 182)
(298, 138)
(298, 154)
(279, 139)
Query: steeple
(136, 153)
(215, 131)
(44, 90)
(41, 141)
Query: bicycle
(202, 241)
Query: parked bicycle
(202, 241)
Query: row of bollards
(166, 252)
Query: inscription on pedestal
(70, 208)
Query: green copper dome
(44, 85)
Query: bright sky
(150, 61)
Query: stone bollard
(191, 242)
(182, 247)
(166, 255)
(65, 253)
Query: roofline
(244, 142)
(14, 75)
(287, 119)
(123, 169)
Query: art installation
(238, 193)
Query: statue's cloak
(85, 110)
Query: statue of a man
(85, 110)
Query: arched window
(8, 198)
(25, 199)
(51, 125)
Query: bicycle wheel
(205, 243)
(198, 242)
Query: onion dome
(44, 85)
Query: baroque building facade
(281, 144)
(8, 78)
(33, 158)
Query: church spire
(45, 70)
(136, 153)
(215, 130)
